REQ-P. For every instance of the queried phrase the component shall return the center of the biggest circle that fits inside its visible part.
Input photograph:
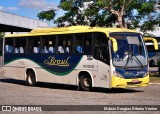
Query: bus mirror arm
(153, 40)
(114, 43)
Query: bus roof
(71, 29)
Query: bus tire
(30, 79)
(85, 83)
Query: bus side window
(68, 47)
(69, 44)
(44, 43)
(87, 47)
(19, 45)
(65, 43)
(8, 45)
(87, 43)
(61, 47)
(1, 47)
(37, 45)
(22, 48)
(48, 44)
(61, 44)
(33, 44)
(16, 45)
(51, 49)
(78, 43)
(30, 44)
(52, 44)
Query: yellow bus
(77, 55)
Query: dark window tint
(87, 43)
(150, 47)
(48, 44)
(83, 43)
(34, 45)
(8, 48)
(65, 44)
(101, 50)
(78, 43)
(1, 46)
(19, 45)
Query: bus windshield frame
(131, 51)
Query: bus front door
(103, 67)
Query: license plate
(135, 81)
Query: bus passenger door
(103, 67)
(1, 52)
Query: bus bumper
(118, 82)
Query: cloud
(8, 8)
(1, 8)
(37, 4)
(12, 8)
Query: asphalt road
(14, 92)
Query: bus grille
(130, 83)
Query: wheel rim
(30, 80)
(86, 82)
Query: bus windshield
(131, 51)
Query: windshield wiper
(129, 58)
(139, 61)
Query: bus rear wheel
(85, 83)
(30, 79)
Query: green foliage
(66, 5)
(127, 13)
(102, 13)
(73, 15)
(2, 34)
(47, 15)
(102, 3)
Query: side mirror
(114, 43)
(153, 40)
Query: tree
(123, 13)
(47, 15)
(74, 13)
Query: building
(15, 23)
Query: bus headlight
(117, 74)
(146, 74)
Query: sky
(29, 8)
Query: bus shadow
(74, 88)
(70, 87)
(13, 81)
(115, 90)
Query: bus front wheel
(85, 83)
(30, 79)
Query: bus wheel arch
(30, 77)
(85, 81)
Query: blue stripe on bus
(58, 64)
(129, 74)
